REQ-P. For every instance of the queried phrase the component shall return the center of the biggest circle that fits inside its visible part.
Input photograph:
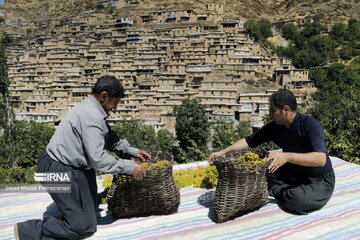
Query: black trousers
(78, 208)
(301, 195)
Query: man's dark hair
(283, 97)
(111, 85)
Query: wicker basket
(155, 194)
(241, 188)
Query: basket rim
(232, 157)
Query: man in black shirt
(301, 177)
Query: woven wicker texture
(156, 194)
(241, 188)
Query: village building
(161, 57)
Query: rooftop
(339, 219)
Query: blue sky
(1, 1)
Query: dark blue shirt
(305, 135)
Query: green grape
(251, 159)
(198, 177)
(159, 164)
(107, 181)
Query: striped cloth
(339, 219)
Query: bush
(30, 139)
(17, 175)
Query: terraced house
(161, 57)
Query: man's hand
(139, 172)
(143, 155)
(214, 155)
(276, 159)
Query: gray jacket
(82, 137)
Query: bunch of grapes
(251, 158)
(107, 181)
(159, 164)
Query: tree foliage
(192, 127)
(166, 140)
(316, 51)
(144, 136)
(4, 82)
(347, 52)
(309, 47)
(355, 64)
(353, 30)
(7, 131)
(307, 58)
(318, 76)
(137, 134)
(191, 123)
(323, 44)
(310, 29)
(227, 133)
(260, 30)
(338, 110)
(289, 31)
(30, 139)
(192, 153)
(6, 39)
(339, 32)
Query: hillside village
(160, 56)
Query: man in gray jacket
(79, 147)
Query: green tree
(30, 140)
(307, 58)
(354, 30)
(339, 32)
(337, 108)
(265, 28)
(289, 31)
(6, 113)
(137, 134)
(323, 44)
(252, 29)
(355, 64)
(288, 52)
(4, 82)
(260, 30)
(165, 140)
(191, 125)
(318, 76)
(311, 29)
(192, 153)
(340, 75)
(227, 133)
(347, 52)
(300, 41)
(6, 39)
